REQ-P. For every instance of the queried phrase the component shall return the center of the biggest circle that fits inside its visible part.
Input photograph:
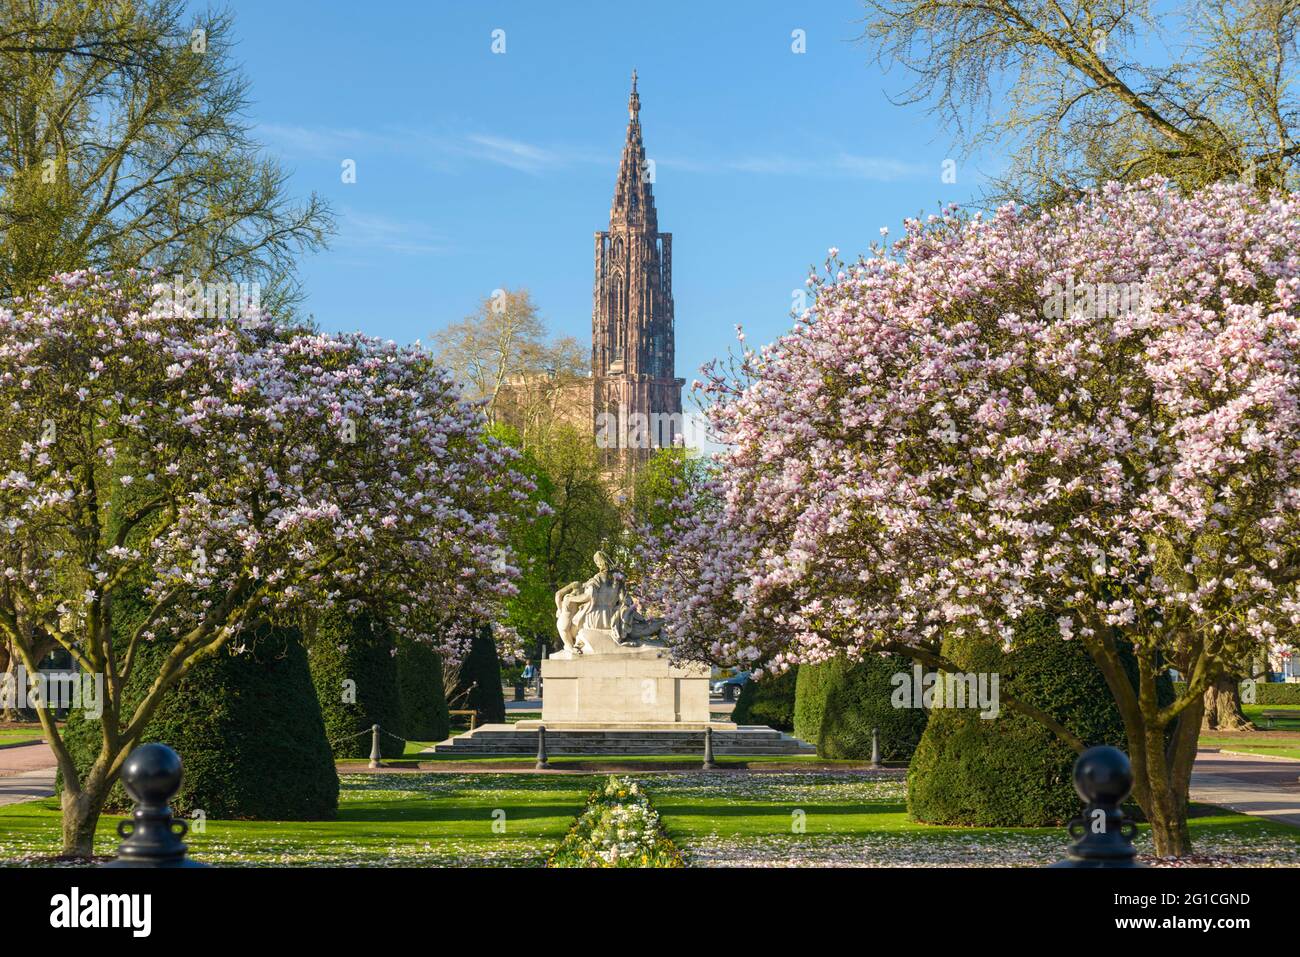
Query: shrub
(419, 692)
(1010, 770)
(811, 686)
(1276, 692)
(354, 669)
(1266, 692)
(247, 727)
(768, 701)
(840, 705)
(479, 686)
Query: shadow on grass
(668, 809)
(378, 813)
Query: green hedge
(838, 703)
(1277, 692)
(1010, 770)
(811, 687)
(354, 669)
(419, 692)
(1266, 692)
(247, 727)
(768, 701)
(479, 685)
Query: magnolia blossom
(931, 450)
(233, 471)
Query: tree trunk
(1223, 710)
(1168, 819)
(11, 671)
(81, 811)
(5, 657)
(1164, 807)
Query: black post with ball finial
(152, 776)
(1102, 837)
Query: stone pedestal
(631, 688)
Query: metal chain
(349, 737)
(382, 730)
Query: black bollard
(542, 762)
(376, 757)
(1102, 837)
(875, 749)
(709, 763)
(152, 776)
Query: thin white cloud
(515, 154)
(322, 142)
(361, 230)
(342, 143)
(339, 143)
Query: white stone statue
(598, 616)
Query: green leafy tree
(125, 142)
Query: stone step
(749, 741)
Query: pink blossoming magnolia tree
(972, 425)
(231, 473)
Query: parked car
(729, 688)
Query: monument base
(635, 688)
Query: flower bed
(618, 828)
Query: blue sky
(477, 170)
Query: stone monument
(614, 672)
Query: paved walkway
(1261, 787)
(26, 773)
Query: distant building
(636, 396)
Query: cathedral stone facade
(636, 396)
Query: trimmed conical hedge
(354, 668)
(479, 686)
(768, 701)
(419, 692)
(839, 702)
(247, 727)
(1010, 770)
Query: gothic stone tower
(635, 392)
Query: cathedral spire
(634, 201)
(632, 326)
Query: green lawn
(20, 735)
(773, 818)
(1287, 716)
(819, 819)
(1281, 737)
(426, 820)
(1243, 745)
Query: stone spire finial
(633, 100)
